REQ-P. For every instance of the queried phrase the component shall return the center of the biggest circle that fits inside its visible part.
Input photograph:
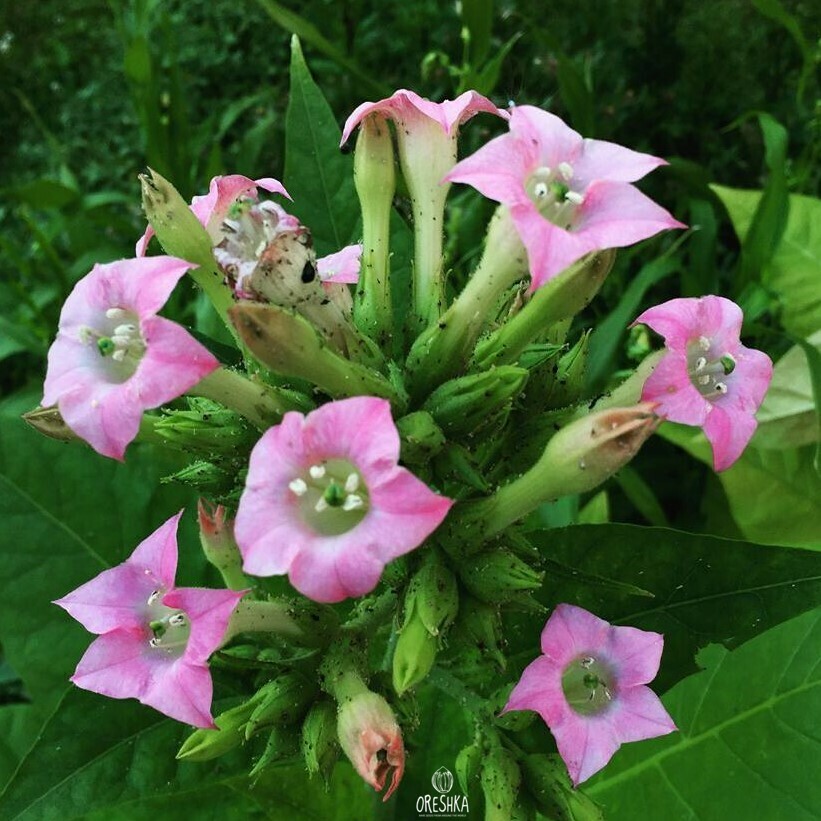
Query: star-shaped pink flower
(114, 357)
(154, 638)
(326, 502)
(707, 377)
(567, 195)
(589, 688)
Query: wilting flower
(589, 688)
(326, 502)
(371, 738)
(567, 195)
(707, 377)
(114, 357)
(154, 638)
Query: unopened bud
(468, 766)
(433, 595)
(371, 738)
(281, 701)
(282, 746)
(462, 405)
(49, 422)
(500, 783)
(414, 654)
(480, 626)
(203, 745)
(421, 437)
(206, 427)
(567, 383)
(320, 746)
(207, 477)
(497, 575)
(219, 545)
(546, 780)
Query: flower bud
(414, 654)
(320, 746)
(282, 745)
(371, 738)
(496, 576)
(479, 625)
(219, 546)
(546, 780)
(462, 405)
(421, 437)
(206, 477)
(49, 422)
(500, 779)
(281, 701)
(203, 745)
(206, 427)
(468, 766)
(433, 595)
(567, 383)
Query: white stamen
(118, 355)
(154, 596)
(125, 330)
(608, 694)
(352, 502)
(121, 339)
(177, 620)
(721, 387)
(543, 171)
(704, 380)
(298, 487)
(701, 363)
(574, 197)
(587, 662)
(115, 313)
(704, 343)
(352, 483)
(155, 642)
(321, 505)
(566, 170)
(540, 190)
(316, 471)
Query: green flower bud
(421, 437)
(496, 575)
(546, 780)
(525, 809)
(320, 746)
(468, 766)
(49, 422)
(462, 405)
(566, 385)
(414, 654)
(480, 626)
(281, 701)
(456, 463)
(219, 546)
(207, 477)
(433, 595)
(207, 427)
(500, 779)
(282, 747)
(203, 745)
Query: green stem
(251, 616)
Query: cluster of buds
(385, 460)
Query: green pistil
(106, 346)
(559, 190)
(158, 628)
(238, 208)
(728, 363)
(334, 495)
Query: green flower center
(588, 685)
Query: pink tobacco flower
(114, 357)
(154, 638)
(589, 688)
(707, 377)
(372, 740)
(567, 195)
(326, 502)
(224, 193)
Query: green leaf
(641, 496)
(705, 588)
(788, 416)
(748, 738)
(576, 96)
(794, 270)
(596, 511)
(774, 495)
(317, 174)
(45, 193)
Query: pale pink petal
(635, 655)
(212, 208)
(173, 362)
(728, 435)
(749, 381)
(570, 632)
(556, 141)
(602, 160)
(118, 664)
(141, 247)
(115, 598)
(341, 267)
(208, 612)
(183, 692)
(616, 214)
(585, 744)
(141, 285)
(670, 386)
(719, 319)
(157, 553)
(540, 689)
(638, 714)
(677, 320)
(72, 367)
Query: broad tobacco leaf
(704, 589)
(748, 743)
(794, 271)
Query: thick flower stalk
(707, 377)
(589, 687)
(154, 638)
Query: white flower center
(117, 339)
(552, 193)
(170, 629)
(709, 370)
(588, 685)
(332, 497)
